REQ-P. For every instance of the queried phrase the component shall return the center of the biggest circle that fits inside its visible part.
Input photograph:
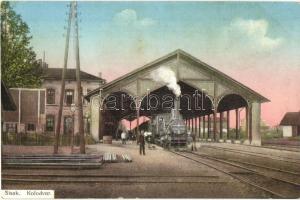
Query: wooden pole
(236, 123)
(215, 125)
(203, 124)
(228, 123)
(221, 125)
(137, 125)
(208, 126)
(250, 123)
(247, 122)
(192, 125)
(62, 93)
(199, 126)
(78, 81)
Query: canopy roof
(192, 74)
(179, 54)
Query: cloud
(253, 33)
(129, 17)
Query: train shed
(207, 95)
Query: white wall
(287, 131)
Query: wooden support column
(250, 123)
(228, 123)
(247, 121)
(195, 125)
(236, 123)
(101, 124)
(192, 125)
(215, 124)
(203, 125)
(208, 126)
(221, 125)
(186, 124)
(138, 105)
(199, 126)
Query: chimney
(100, 74)
(175, 111)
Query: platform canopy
(221, 91)
(127, 97)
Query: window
(11, 128)
(50, 123)
(69, 98)
(50, 96)
(30, 127)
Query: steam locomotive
(169, 130)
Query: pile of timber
(126, 158)
(113, 158)
(110, 157)
(78, 161)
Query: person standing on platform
(194, 147)
(123, 137)
(142, 143)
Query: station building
(223, 96)
(37, 108)
(290, 124)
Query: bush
(42, 139)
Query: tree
(19, 67)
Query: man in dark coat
(142, 143)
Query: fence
(41, 139)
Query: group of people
(143, 134)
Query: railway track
(125, 179)
(274, 186)
(287, 176)
(281, 147)
(272, 157)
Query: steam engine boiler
(169, 129)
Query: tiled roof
(291, 119)
(55, 74)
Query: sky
(256, 43)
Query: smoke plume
(167, 76)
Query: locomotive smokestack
(175, 111)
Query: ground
(191, 180)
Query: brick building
(37, 108)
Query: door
(68, 125)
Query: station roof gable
(181, 55)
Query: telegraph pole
(73, 16)
(61, 100)
(79, 89)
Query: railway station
(206, 94)
(191, 152)
(173, 128)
